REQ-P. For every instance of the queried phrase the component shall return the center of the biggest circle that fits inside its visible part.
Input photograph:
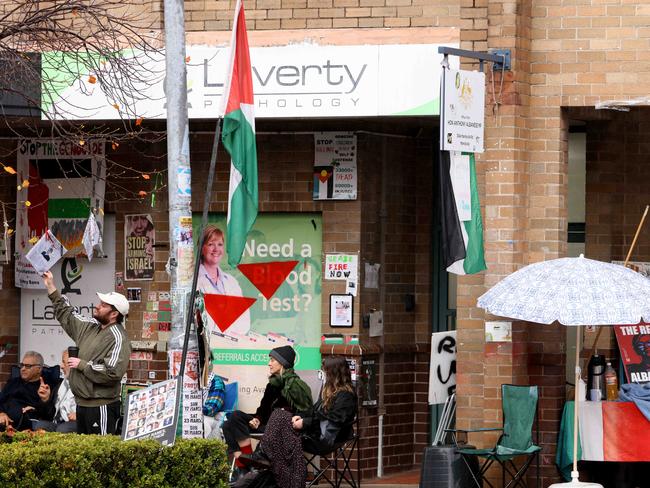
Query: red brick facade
(566, 57)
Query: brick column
(522, 182)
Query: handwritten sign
(442, 368)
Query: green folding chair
(519, 405)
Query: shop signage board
(304, 78)
(462, 116)
(78, 279)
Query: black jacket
(17, 394)
(326, 428)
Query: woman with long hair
(329, 423)
(332, 417)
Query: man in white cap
(104, 350)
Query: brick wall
(322, 14)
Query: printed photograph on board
(272, 298)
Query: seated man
(65, 408)
(27, 397)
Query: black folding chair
(334, 467)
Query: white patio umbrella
(574, 292)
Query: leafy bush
(87, 461)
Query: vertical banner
(139, 240)
(335, 166)
(191, 399)
(58, 184)
(272, 299)
(442, 367)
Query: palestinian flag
(239, 140)
(462, 225)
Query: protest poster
(152, 413)
(191, 399)
(59, 183)
(335, 166)
(442, 366)
(273, 298)
(139, 254)
(634, 345)
(45, 253)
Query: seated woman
(332, 417)
(329, 423)
(284, 390)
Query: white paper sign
(376, 323)
(462, 111)
(92, 237)
(341, 267)
(371, 275)
(442, 368)
(192, 416)
(45, 253)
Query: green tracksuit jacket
(104, 355)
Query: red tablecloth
(613, 431)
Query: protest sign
(152, 413)
(59, 183)
(139, 254)
(634, 345)
(45, 253)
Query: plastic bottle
(611, 382)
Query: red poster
(634, 344)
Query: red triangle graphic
(267, 277)
(225, 309)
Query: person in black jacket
(284, 390)
(329, 423)
(333, 415)
(28, 396)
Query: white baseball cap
(118, 300)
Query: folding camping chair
(336, 463)
(519, 406)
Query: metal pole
(178, 163)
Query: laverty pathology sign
(295, 80)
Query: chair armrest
(487, 429)
(464, 432)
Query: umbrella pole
(575, 482)
(576, 409)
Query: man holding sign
(103, 357)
